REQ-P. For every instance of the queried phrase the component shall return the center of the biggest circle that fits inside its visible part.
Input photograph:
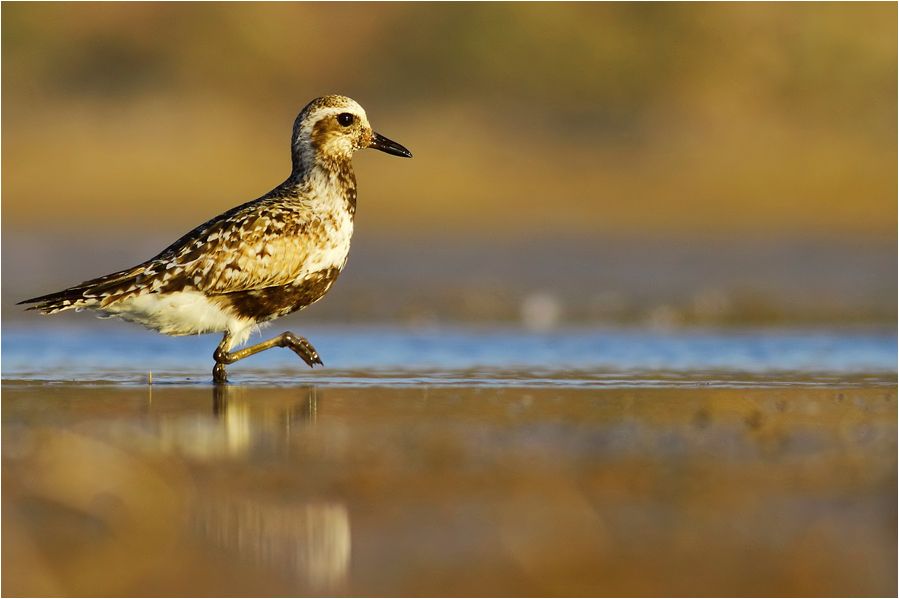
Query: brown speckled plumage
(258, 261)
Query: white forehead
(345, 105)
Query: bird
(259, 261)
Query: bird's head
(332, 128)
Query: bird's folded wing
(245, 251)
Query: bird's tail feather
(87, 294)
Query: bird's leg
(299, 345)
(219, 375)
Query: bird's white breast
(332, 227)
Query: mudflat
(458, 489)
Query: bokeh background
(651, 164)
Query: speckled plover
(256, 262)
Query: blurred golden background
(663, 156)
(656, 165)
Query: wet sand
(449, 490)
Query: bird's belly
(177, 313)
(260, 305)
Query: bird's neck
(327, 181)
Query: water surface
(452, 462)
(109, 351)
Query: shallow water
(473, 462)
(106, 352)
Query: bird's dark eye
(345, 119)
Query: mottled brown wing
(251, 249)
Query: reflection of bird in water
(256, 262)
(243, 422)
(226, 400)
(308, 540)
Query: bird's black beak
(379, 142)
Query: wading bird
(256, 262)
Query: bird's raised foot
(298, 345)
(301, 347)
